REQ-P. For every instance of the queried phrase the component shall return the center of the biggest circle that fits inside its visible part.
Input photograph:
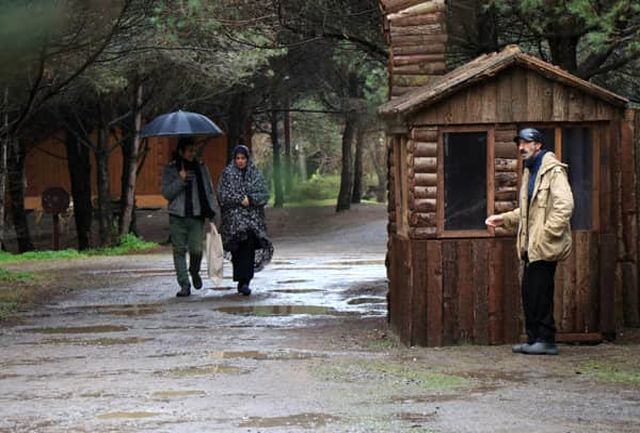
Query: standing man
(543, 239)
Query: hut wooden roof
(484, 67)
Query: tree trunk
(277, 168)
(288, 175)
(236, 126)
(564, 44)
(346, 176)
(105, 215)
(79, 164)
(378, 156)
(16, 157)
(357, 169)
(130, 160)
(4, 143)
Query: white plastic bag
(215, 255)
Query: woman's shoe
(244, 289)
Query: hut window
(577, 152)
(465, 180)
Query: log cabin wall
(446, 291)
(417, 34)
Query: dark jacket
(173, 189)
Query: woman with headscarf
(186, 184)
(243, 195)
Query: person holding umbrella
(243, 196)
(187, 185)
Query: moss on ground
(613, 372)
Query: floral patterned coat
(239, 222)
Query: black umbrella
(181, 123)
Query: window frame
(490, 167)
(595, 129)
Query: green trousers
(187, 236)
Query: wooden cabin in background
(453, 162)
(46, 166)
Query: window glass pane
(465, 180)
(549, 139)
(577, 151)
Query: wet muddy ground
(308, 352)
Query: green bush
(316, 188)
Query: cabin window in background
(577, 152)
(575, 147)
(465, 180)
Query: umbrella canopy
(180, 123)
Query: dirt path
(308, 353)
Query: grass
(391, 374)
(128, 244)
(613, 373)
(16, 288)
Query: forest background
(301, 79)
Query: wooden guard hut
(453, 162)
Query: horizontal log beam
(418, 20)
(425, 179)
(418, 59)
(436, 68)
(505, 206)
(425, 165)
(423, 205)
(424, 134)
(421, 149)
(506, 149)
(424, 191)
(422, 232)
(503, 164)
(423, 219)
(412, 40)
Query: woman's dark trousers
(243, 260)
(537, 300)
(187, 235)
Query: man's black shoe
(541, 348)
(519, 348)
(184, 292)
(197, 281)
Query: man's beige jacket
(544, 229)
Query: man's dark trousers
(537, 300)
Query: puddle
(303, 420)
(416, 417)
(262, 356)
(98, 341)
(357, 262)
(278, 310)
(294, 291)
(204, 370)
(312, 268)
(177, 394)
(128, 415)
(78, 329)
(360, 301)
(132, 311)
(293, 281)
(433, 398)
